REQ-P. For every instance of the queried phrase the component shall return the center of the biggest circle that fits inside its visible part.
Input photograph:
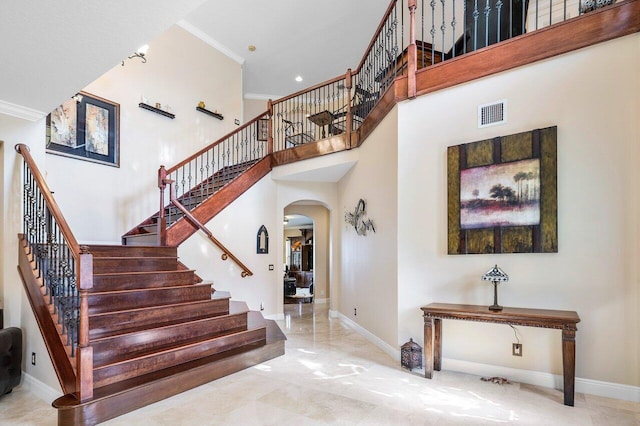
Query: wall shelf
(156, 110)
(214, 114)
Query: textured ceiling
(56, 48)
(52, 49)
(317, 40)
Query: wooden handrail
(226, 253)
(309, 89)
(23, 150)
(217, 142)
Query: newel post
(270, 137)
(412, 66)
(348, 83)
(84, 355)
(162, 220)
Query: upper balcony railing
(413, 34)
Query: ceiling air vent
(492, 114)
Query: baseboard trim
(387, 348)
(537, 378)
(320, 301)
(39, 389)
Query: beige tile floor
(330, 375)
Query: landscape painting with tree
(505, 194)
(502, 194)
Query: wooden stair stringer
(183, 229)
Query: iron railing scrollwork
(61, 266)
(197, 178)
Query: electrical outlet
(33, 358)
(517, 349)
(237, 122)
(271, 267)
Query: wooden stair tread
(235, 308)
(116, 300)
(105, 250)
(171, 357)
(155, 341)
(111, 323)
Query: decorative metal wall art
(357, 220)
(262, 241)
(502, 194)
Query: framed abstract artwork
(85, 127)
(502, 194)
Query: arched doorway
(306, 253)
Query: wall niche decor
(357, 220)
(502, 194)
(262, 241)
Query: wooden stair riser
(136, 367)
(106, 265)
(122, 347)
(122, 300)
(113, 322)
(141, 280)
(127, 251)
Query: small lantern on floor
(411, 355)
(495, 275)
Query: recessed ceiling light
(298, 79)
(251, 48)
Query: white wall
(368, 268)
(595, 272)
(236, 227)
(101, 203)
(17, 312)
(253, 107)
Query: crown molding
(197, 32)
(20, 111)
(261, 97)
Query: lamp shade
(495, 274)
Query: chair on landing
(294, 133)
(362, 103)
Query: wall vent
(492, 114)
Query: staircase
(146, 233)
(156, 330)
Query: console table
(563, 320)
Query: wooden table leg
(428, 347)
(437, 344)
(569, 364)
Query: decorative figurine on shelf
(201, 104)
(495, 275)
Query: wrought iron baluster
(537, 10)
(499, 7)
(453, 30)
(443, 27)
(433, 22)
(487, 11)
(550, 10)
(464, 26)
(476, 15)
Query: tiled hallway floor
(330, 375)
